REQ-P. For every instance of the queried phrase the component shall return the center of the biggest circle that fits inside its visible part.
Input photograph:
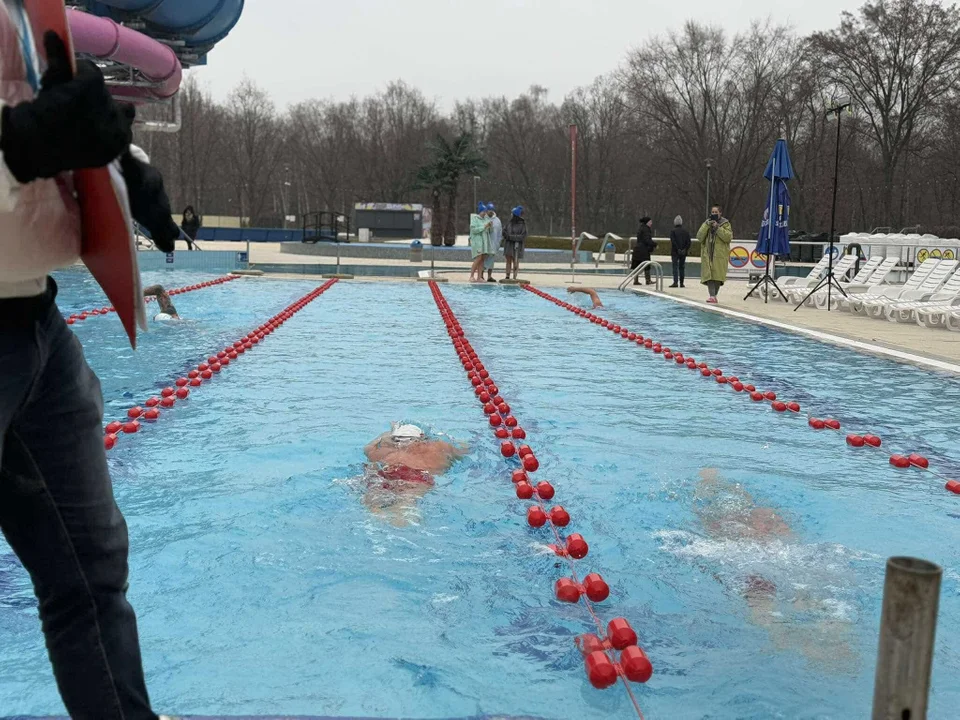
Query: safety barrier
(602, 667)
(204, 372)
(913, 460)
(96, 312)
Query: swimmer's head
(406, 434)
(162, 317)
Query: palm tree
(429, 179)
(451, 161)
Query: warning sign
(739, 257)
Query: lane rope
(854, 440)
(95, 312)
(602, 666)
(204, 372)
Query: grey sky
(299, 49)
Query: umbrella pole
(766, 280)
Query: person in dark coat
(679, 249)
(190, 225)
(644, 249)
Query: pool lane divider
(95, 312)
(602, 666)
(203, 373)
(868, 440)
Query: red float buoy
(770, 395)
(545, 490)
(519, 433)
(168, 402)
(600, 671)
(109, 441)
(577, 547)
(151, 414)
(756, 397)
(832, 424)
(476, 381)
(706, 373)
(135, 412)
(203, 366)
(918, 461)
(131, 427)
(215, 367)
(717, 371)
(596, 588)
(206, 374)
(511, 421)
(872, 441)
(816, 423)
(484, 396)
(496, 420)
(536, 517)
(152, 402)
(196, 382)
(899, 461)
(737, 386)
(167, 392)
(779, 406)
(502, 433)
(668, 355)
(518, 476)
(722, 380)
(489, 409)
(750, 388)
(567, 590)
(524, 490)
(508, 450)
(181, 382)
(620, 634)
(855, 441)
(113, 428)
(793, 407)
(953, 486)
(530, 463)
(524, 450)
(636, 665)
(183, 393)
(503, 408)
(559, 516)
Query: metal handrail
(657, 268)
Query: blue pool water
(264, 585)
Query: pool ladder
(654, 265)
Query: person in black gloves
(57, 508)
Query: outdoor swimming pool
(264, 585)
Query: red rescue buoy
(559, 516)
(524, 490)
(636, 665)
(530, 463)
(600, 671)
(596, 588)
(899, 461)
(545, 490)
(855, 441)
(567, 590)
(536, 517)
(918, 461)
(577, 547)
(508, 450)
(620, 634)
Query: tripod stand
(830, 280)
(766, 281)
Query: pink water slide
(106, 40)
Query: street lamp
(709, 162)
(842, 103)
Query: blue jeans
(58, 513)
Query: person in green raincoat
(715, 236)
(480, 241)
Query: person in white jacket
(57, 508)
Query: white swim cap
(406, 433)
(163, 316)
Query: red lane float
(87, 314)
(603, 670)
(778, 406)
(203, 372)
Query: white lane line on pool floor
(899, 355)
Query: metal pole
(573, 203)
(908, 624)
(475, 201)
(770, 226)
(706, 213)
(248, 254)
(338, 258)
(833, 212)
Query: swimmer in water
(167, 310)
(729, 513)
(403, 465)
(587, 291)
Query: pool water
(265, 585)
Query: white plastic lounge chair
(930, 285)
(906, 310)
(936, 315)
(854, 301)
(840, 268)
(813, 277)
(877, 277)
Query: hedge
(555, 243)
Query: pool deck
(932, 348)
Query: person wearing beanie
(514, 235)
(679, 249)
(644, 249)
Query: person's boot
(674, 284)
(490, 276)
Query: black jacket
(680, 241)
(190, 227)
(645, 245)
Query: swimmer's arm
(453, 450)
(376, 453)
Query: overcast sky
(452, 49)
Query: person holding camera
(715, 236)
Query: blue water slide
(200, 23)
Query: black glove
(149, 202)
(72, 124)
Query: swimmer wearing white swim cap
(167, 310)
